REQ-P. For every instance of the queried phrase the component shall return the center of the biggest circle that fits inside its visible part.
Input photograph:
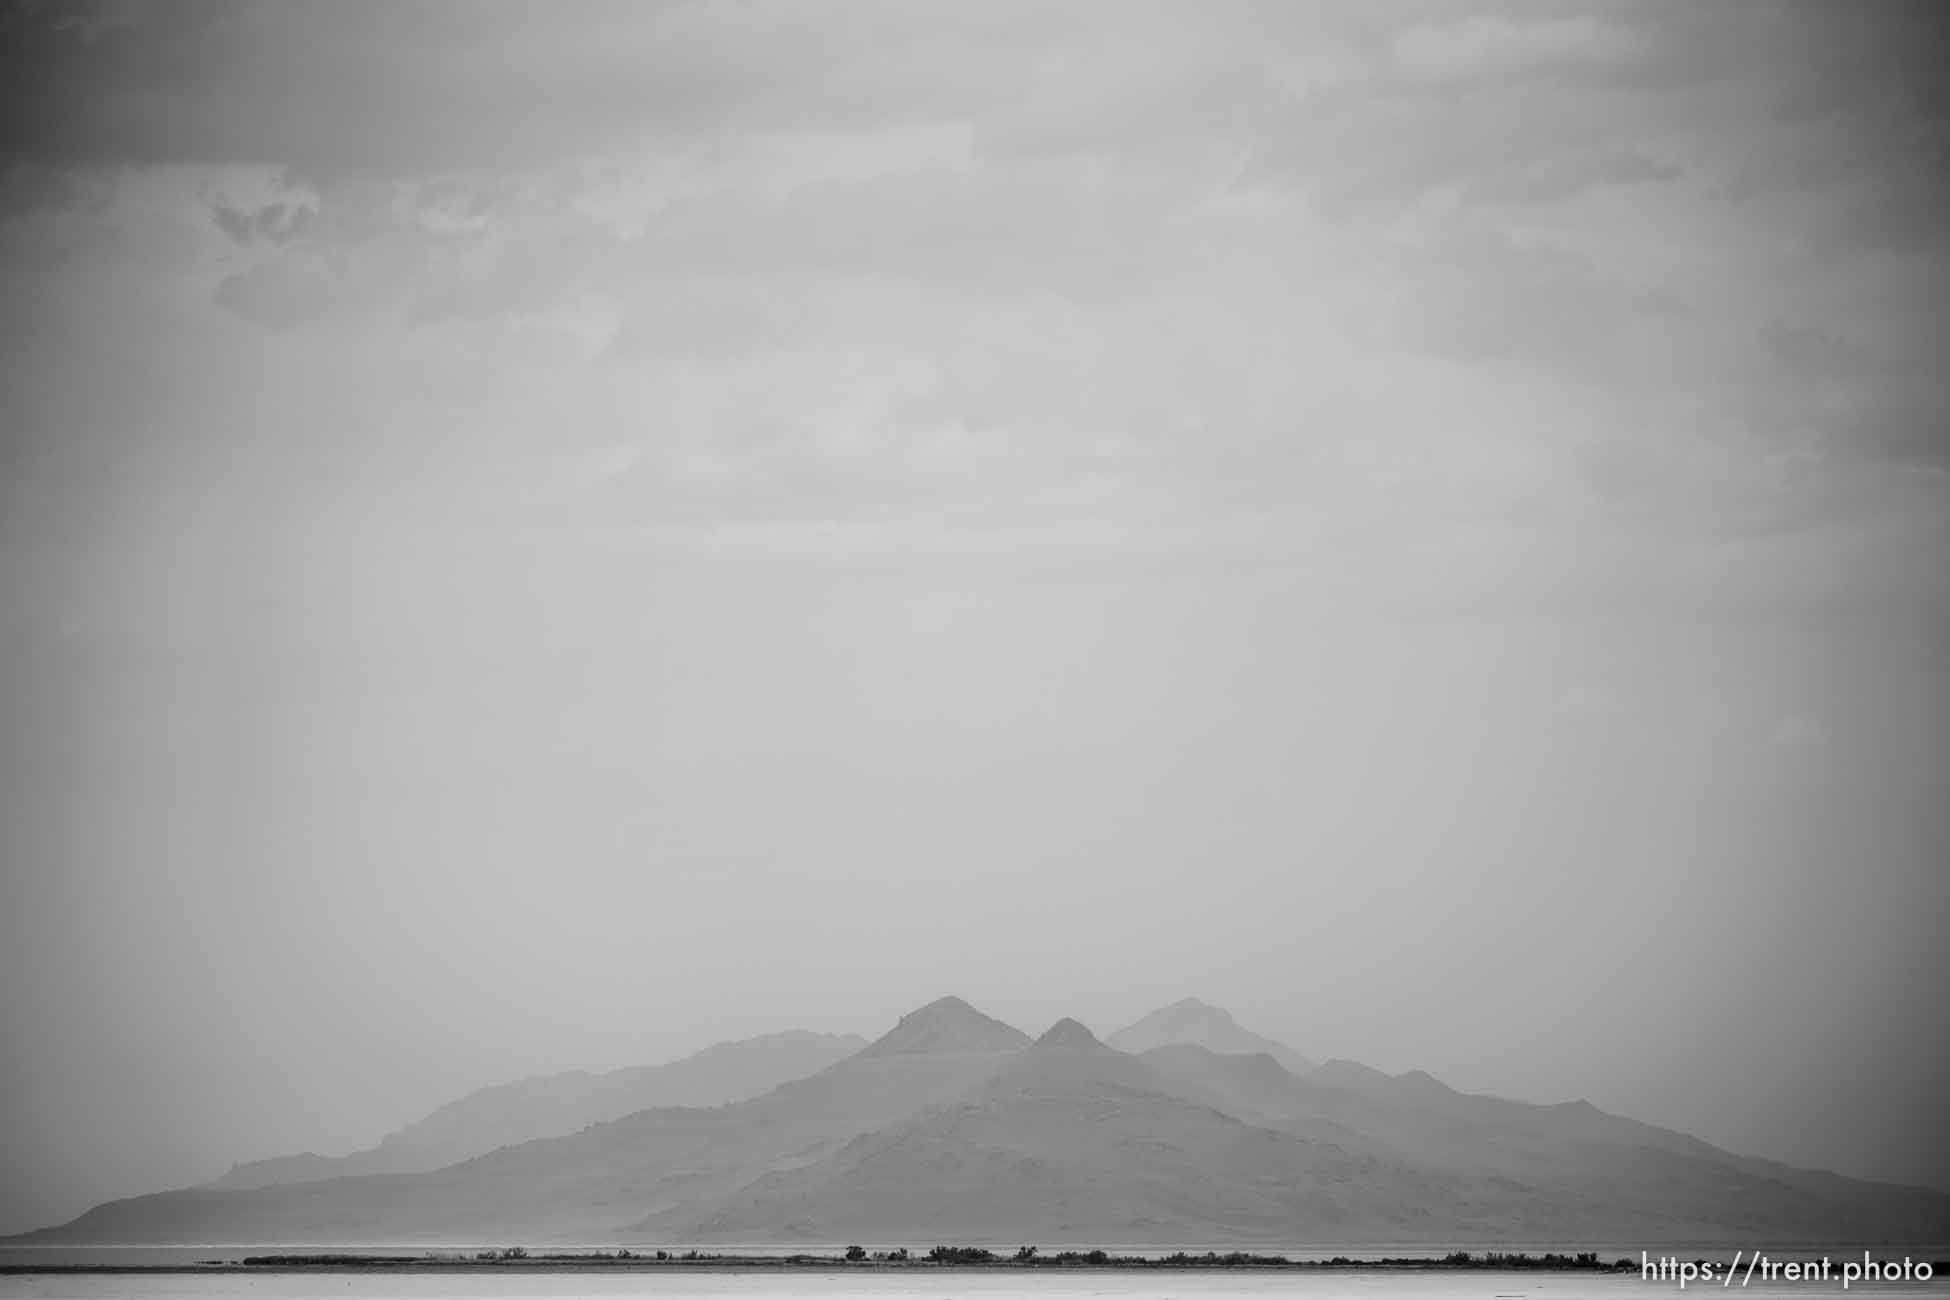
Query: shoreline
(949, 1259)
(957, 1259)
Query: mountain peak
(947, 1025)
(1200, 1024)
(1068, 1033)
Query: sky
(546, 536)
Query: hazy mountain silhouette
(947, 1025)
(1202, 1025)
(1597, 1168)
(1073, 1140)
(553, 1105)
(955, 1127)
(596, 1182)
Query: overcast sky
(546, 535)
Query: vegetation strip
(856, 1257)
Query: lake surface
(149, 1256)
(123, 1256)
(853, 1284)
(1336, 1285)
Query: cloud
(273, 223)
(29, 187)
(282, 295)
(1228, 261)
(491, 87)
(311, 284)
(420, 252)
(1882, 400)
(1482, 48)
(1476, 293)
(1552, 178)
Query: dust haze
(549, 537)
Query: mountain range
(955, 1127)
(1201, 1024)
(551, 1105)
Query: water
(854, 1284)
(824, 1286)
(150, 1256)
(1333, 1285)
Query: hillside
(585, 1186)
(553, 1105)
(954, 1127)
(1074, 1141)
(1602, 1169)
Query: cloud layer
(1692, 243)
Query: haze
(537, 537)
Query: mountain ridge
(550, 1105)
(1190, 1020)
(957, 1126)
